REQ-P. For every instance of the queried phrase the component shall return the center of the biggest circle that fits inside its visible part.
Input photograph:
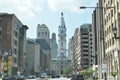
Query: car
(55, 76)
(13, 77)
(9, 77)
(21, 77)
(31, 77)
(43, 75)
(77, 77)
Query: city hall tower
(62, 57)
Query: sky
(48, 12)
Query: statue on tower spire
(61, 13)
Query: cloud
(71, 5)
(28, 8)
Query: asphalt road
(61, 78)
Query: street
(61, 78)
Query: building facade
(10, 30)
(54, 47)
(30, 56)
(43, 32)
(83, 50)
(43, 38)
(111, 22)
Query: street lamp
(114, 30)
(84, 7)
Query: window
(61, 38)
(104, 10)
(109, 29)
(90, 34)
(109, 16)
(15, 51)
(42, 33)
(111, 13)
(45, 33)
(91, 47)
(61, 43)
(0, 22)
(0, 33)
(117, 5)
(111, 1)
(85, 54)
(84, 37)
(38, 33)
(105, 33)
(110, 42)
(105, 21)
(15, 25)
(112, 25)
(115, 23)
(14, 60)
(105, 45)
(113, 40)
(84, 46)
(16, 35)
(85, 50)
(85, 42)
(91, 43)
(61, 31)
(15, 42)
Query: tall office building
(54, 47)
(43, 38)
(83, 49)
(43, 32)
(12, 39)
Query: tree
(82, 72)
(68, 70)
(87, 72)
(114, 73)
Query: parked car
(21, 77)
(55, 76)
(9, 77)
(43, 75)
(77, 77)
(31, 77)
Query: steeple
(62, 53)
(62, 21)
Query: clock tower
(62, 57)
(62, 37)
